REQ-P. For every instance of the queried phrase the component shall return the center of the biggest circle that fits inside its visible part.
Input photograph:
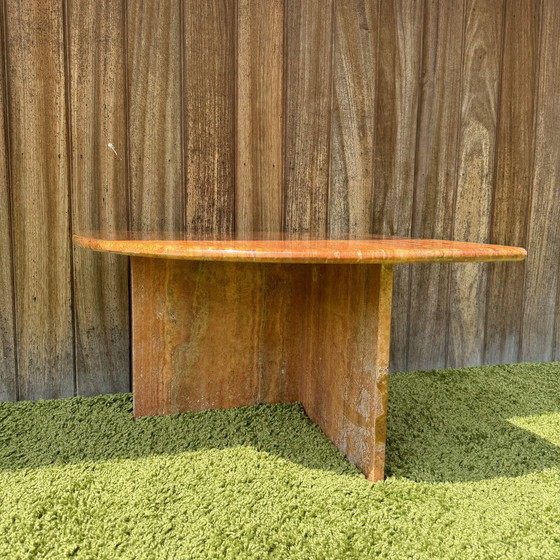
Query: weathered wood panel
(428, 118)
(354, 61)
(155, 126)
(543, 241)
(99, 192)
(260, 117)
(209, 62)
(436, 160)
(8, 368)
(39, 160)
(396, 115)
(308, 107)
(512, 187)
(475, 170)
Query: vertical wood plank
(99, 193)
(436, 151)
(260, 74)
(396, 116)
(479, 105)
(154, 36)
(351, 158)
(308, 107)
(8, 366)
(209, 103)
(540, 308)
(513, 178)
(39, 164)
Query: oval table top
(294, 248)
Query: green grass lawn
(473, 471)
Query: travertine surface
(273, 247)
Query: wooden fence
(406, 117)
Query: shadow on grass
(456, 425)
(448, 425)
(70, 431)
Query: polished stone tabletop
(286, 247)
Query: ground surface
(473, 472)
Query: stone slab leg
(210, 335)
(343, 386)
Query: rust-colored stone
(273, 320)
(284, 247)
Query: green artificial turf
(473, 472)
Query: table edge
(157, 249)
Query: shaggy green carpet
(473, 472)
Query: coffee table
(220, 321)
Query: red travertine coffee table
(224, 321)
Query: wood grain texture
(347, 330)
(271, 247)
(540, 308)
(99, 192)
(475, 170)
(308, 108)
(350, 197)
(209, 103)
(260, 118)
(208, 86)
(436, 159)
(39, 170)
(8, 365)
(396, 115)
(154, 36)
(515, 148)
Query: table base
(213, 335)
